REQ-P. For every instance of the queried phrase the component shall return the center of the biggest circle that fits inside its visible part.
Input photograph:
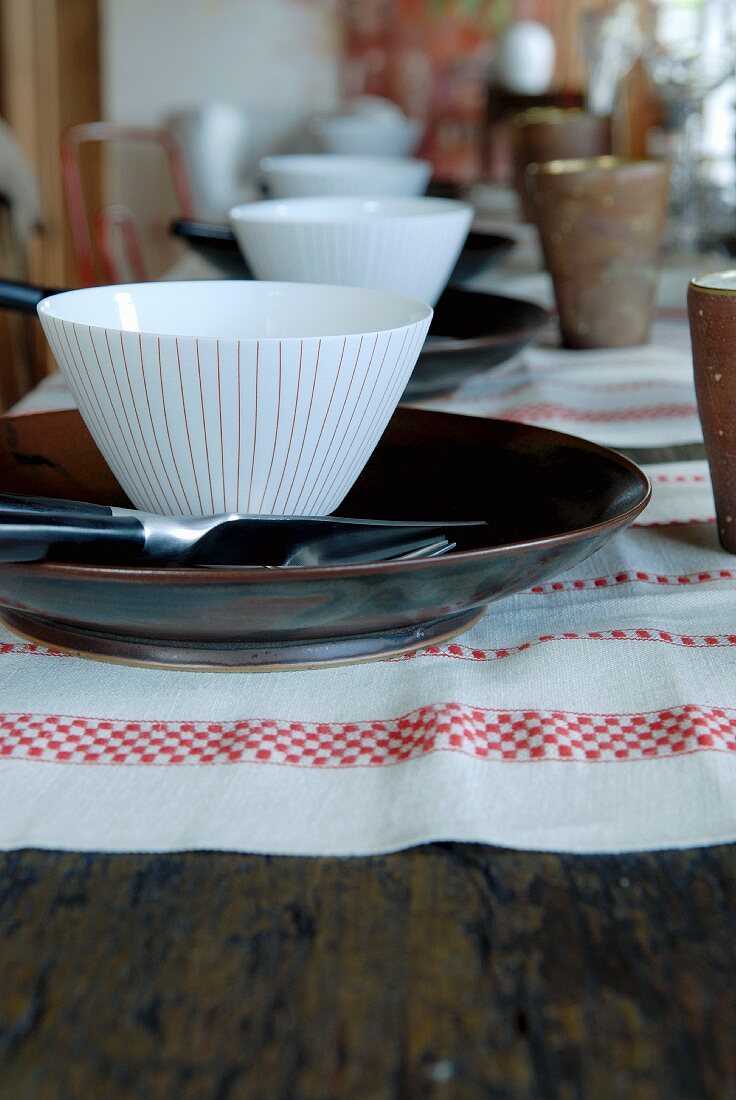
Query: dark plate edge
(262, 575)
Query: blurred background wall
(162, 54)
(138, 61)
(435, 58)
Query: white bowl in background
(227, 396)
(375, 105)
(323, 174)
(362, 134)
(402, 245)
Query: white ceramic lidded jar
(525, 58)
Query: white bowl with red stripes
(402, 245)
(227, 396)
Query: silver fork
(399, 551)
(33, 529)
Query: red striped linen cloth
(624, 397)
(627, 397)
(595, 712)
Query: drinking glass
(689, 50)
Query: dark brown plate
(217, 244)
(481, 252)
(472, 332)
(551, 499)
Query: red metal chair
(113, 231)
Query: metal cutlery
(40, 528)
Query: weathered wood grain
(446, 971)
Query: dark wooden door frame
(50, 79)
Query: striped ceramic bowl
(404, 245)
(226, 396)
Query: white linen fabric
(595, 712)
(626, 397)
(622, 397)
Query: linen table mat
(595, 712)
(627, 397)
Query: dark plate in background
(552, 500)
(217, 244)
(481, 252)
(472, 332)
(214, 243)
(482, 330)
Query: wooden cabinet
(49, 80)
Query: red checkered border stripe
(517, 736)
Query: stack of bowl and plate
(275, 398)
(356, 213)
(278, 396)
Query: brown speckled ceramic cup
(601, 223)
(540, 134)
(712, 308)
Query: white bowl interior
(336, 164)
(230, 309)
(311, 211)
(719, 280)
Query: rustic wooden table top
(451, 970)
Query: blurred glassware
(689, 50)
(215, 139)
(717, 190)
(610, 43)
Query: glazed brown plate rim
(444, 345)
(234, 574)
